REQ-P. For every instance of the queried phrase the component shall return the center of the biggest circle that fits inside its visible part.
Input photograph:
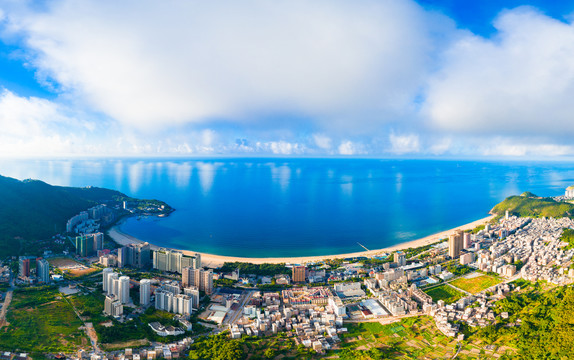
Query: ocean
(282, 207)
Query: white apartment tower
(145, 292)
(105, 278)
(124, 290)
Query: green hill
(529, 205)
(32, 210)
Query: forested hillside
(32, 209)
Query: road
(239, 311)
(88, 328)
(7, 301)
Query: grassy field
(41, 321)
(445, 293)
(410, 338)
(476, 284)
(90, 305)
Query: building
(113, 307)
(400, 258)
(466, 240)
(337, 306)
(43, 270)
(299, 274)
(109, 260)
(135, 255)
(193, 293)
(569, 192)
(172, 286)
(84, 245)
(187, 274)
(124, 290)
(24, 267)
(71, 224)
(178, 304)
(455, 243)
(113, 285)
(174, 261)
(145, 292)
(467, 258)
(98, 241)
(105, 278)
(199, 278)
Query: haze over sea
(300, 207)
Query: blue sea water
(297, 207)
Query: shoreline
(213, 261)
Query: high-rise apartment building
(174, 261)
(178, 304)
(455, 244)
(43, 270)
(112, 306)
(136, 255)
(193, 293)
(84, 245)
(145, 292)
(202, 279)
(299, 274)
(98, 241)
(105, 278)
(124, 290)
(400, 258)
(113, 287)
(466, 240)
(24, 267)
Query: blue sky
(382, 78)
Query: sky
(340, 78)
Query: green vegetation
(547, 330)
(138, 328)
(90, 305)
(256, 269)
(475, 284)
(533, 207)
(224, 282)
(31, 212)
(476, 229)
(568, 237)
(219, 347)
(459, 270)
(445, 293)
(40, 322)
(409, 338)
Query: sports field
(475, 284)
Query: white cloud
(404, 144)
(347, 148)
(152, 64)
(36, 127)
(519, 82)
(322, 141)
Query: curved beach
(213, 261)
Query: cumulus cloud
(322, 141)
(152, 63)
(32, 126)
(348, 147)
(403, 144)
(519, 82)
(289, 78)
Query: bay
(281, 207)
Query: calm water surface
(296, 207)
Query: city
(456, 281)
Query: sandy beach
(213, 261)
